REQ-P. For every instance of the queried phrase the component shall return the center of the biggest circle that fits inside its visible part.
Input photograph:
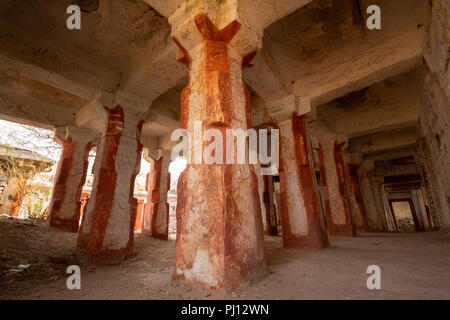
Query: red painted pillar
(337, 206)
(301, 217)
(139, 214)
(66, 203)
(359, 217)
(156, 210)
(220, 237)
(84, 200)
(106, 233)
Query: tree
(25, 155)
(20, 166)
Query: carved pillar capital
(196, 21)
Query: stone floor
(413, 266)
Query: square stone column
(352, 164)
(220, 240)
(261, 185)
(301, 216)
(66, 203)
(337, 204)
(330, 147)
(139, 214)
(375, 212)
(156, 210)
(358, 210)
(106, 233)
(269, 204)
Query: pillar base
(220, 240)
(64, 224)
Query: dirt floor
(413, 266)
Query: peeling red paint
(348, 228)
(59, 189)
(323, 179)
(316, 236)
(211, 32)
(139, 215)
(79, 198)
(210, 222)
(246, 62)
(128, 250)
(90, 243)
(151, 209)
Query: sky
(30, 138)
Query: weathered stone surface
(139, 215)
(433, 150)
(220, 240)
(301, 217)
(336, 202)
(156, 209)
(329, 147)
(65, 206)
(106, 233)
(358, 210)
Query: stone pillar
(84, 200)
(220, 240)
(106, 233)
(368, 196)
(65, 206)
(433, 147)
(156, 210)
(269, 204)
(276, 200)
(337, 206)
(139, 214)
(380, 219)
(358, 210)
(301, 217)
(261, 186)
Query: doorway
(404, 215)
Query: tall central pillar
(220, 241)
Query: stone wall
(433, 150)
